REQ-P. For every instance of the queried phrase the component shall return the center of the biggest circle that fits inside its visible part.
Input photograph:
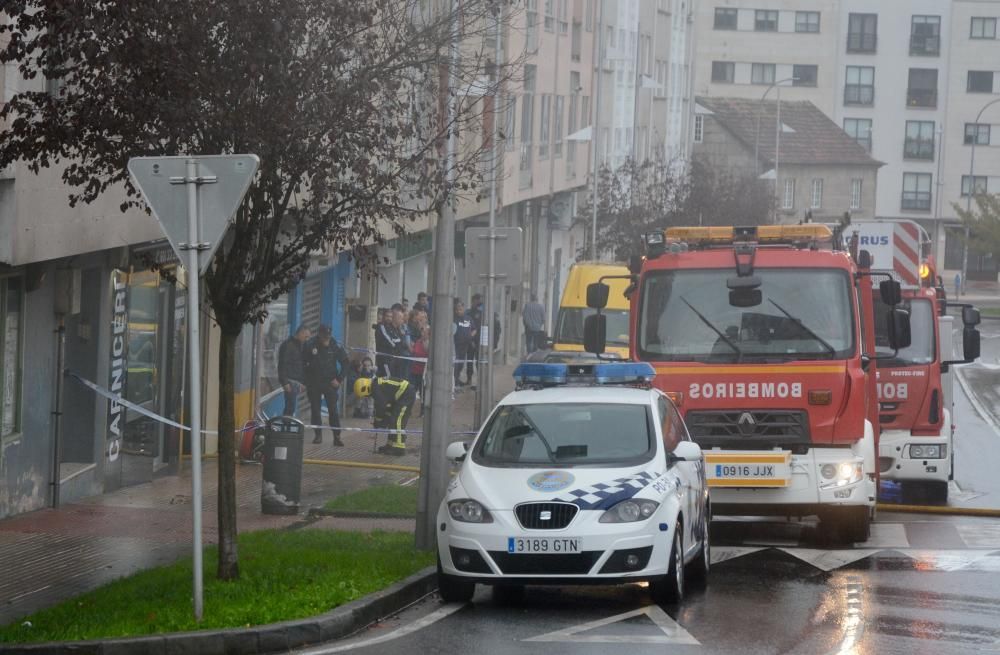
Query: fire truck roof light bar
(764, 234)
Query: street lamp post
(972, 189)
(760, 105)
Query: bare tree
(343, 100)
(983, 222)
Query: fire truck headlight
(841, 475)
(936, 451)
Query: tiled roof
(808, 137)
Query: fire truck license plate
(749, 470)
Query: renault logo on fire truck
(746, 423)
(708, 390)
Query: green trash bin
(281, 486)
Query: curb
(352, 514)
(335, 624)
(940, 509)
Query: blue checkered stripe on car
(605, 494)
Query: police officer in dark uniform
(393, 405)
(388, 343)
(326, 367)
(464, 335)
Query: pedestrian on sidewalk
(326, 368)
(476, 312)
(291, 369)
(400, 366)
(464, 336)
(533, 317)
(387, 341)
(393, 405)
(421, 349)
(958, 285)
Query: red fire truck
(915, 387)
(764, 339)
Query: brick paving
(50, 555)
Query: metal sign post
(158, 178)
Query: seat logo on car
(550, 480)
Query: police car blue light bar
(604, 373)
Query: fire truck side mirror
(970, 317)
(597, 295)
(890, 292)
(595, 332)
(970, 344)
(899, 328)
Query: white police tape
(101, 391)
(419, 360)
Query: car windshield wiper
(727, 340)
(549, 451)
(805, 328)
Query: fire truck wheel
(851, 524)
(670, 588)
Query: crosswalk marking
(829, 560)
(944, 560)
(888, 535)
(933, 535)
(979, 535)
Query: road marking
(975, 402)
(979, 535)
(828, 560)
(673, 633)
(421, 623)
(724, 553)
(888, 535)
(954, 560)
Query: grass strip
(284, 575)
(381, 499)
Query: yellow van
(568, 335)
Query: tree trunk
(229, 567)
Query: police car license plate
(535, 545)
(748, 469)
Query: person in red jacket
(421, 348)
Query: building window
(550, 19)
(558, 127)
(856, 193)
(788, 198)
(563, 23)
(531, 26)
(544, 126)
(588, 16)
(723, 71)
(816, 202)
(762, 73)
(861, 32)
(11, 346)
(527, 117)
(980, 82)
(807, 21)
(916, 191)
(983, 28)
(765, 21)
(860, 86)
(919, 142)
(804, 74)
(699, 128)
(979, 181)
(925, 36)
(922, 88)
(978, 133)
(860, 129)
(725, 18)
(510, 114)
(576, 41)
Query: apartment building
(902, 78)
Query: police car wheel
(452, 588)
(508, 594)
(670, 588)
(701, 564)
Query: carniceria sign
(119, 361)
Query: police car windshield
(921, 348)
(569, 325)
(803, 314)
(566, 435)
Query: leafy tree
(983, 222)
(715, 198)
(343, 100)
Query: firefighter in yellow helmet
(393, 404)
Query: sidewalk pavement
(50, 555)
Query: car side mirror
(899, 328)
(456, 451)
(970, 344)
(597, 295)
(595, 333)
(687, 451)
(891, 292)
(970, 317)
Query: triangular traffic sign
(161, 180)
(669, 631)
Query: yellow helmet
(363, 387)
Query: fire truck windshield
(921, 348)
(685, 315)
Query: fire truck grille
(545, 516)
(749, 429)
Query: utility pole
(599, 72)
(434, 472)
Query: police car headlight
(630, 511)
(467, 510)
(935, 451)
(841, 475)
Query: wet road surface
(920, 585)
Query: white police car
(585, 474)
